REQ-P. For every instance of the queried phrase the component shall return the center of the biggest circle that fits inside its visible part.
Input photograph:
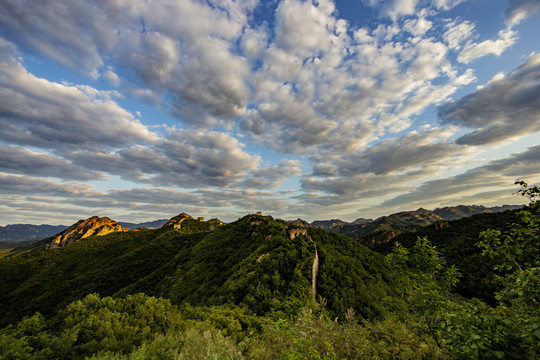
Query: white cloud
(272, 177)
(112, 77)
(335, 90)
(446, 4)
(505, 108)
(179, 47)
(306, 83)
(55, 28)
(458, 33)
(185, 158)
(495, 174)
(26, 162)
(37, 112)
(22, 184)
(473, 51)
(394, 8)
(518, 10)
(417, 27)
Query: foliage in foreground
(142, 327)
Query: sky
(143, 109)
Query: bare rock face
(176, 222)
(297, 228)
(294, 232)
(94, 226)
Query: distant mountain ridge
(156, 224)
(394, 223)
(356, 229)
(27, 232)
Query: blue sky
(139, 110)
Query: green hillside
(254, 262)
(261, 288)
(457, 240)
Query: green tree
(511, 330)
(430, 281)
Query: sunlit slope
(264, 264)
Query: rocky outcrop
(294, 232)
(176, 222)
(94, 226)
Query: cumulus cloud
(497, 173)
(155, 196)
(458, 33)
(507, 107)
(394, 8)
(272, 177)
(22, 161)
(518, 10)
(384, 170)
(74, 33)
(418, 26)
(473, 51)
(446, 4)
(27, 185)
(185, 158)
(305, 82)
(207, 64)
(412, 151)
(183, 49)
(180, 47)
(319, 86)
(37, 112)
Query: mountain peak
(93, 226)
(177, 220)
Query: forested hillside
(257, 262)
(456, 240)
(261, 288)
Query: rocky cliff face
(94, 226)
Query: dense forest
(264, 288)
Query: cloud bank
(283, 106)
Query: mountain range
(391, 225)
(265, 264)
(100, 287)
(357, 229)
(15, 234)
